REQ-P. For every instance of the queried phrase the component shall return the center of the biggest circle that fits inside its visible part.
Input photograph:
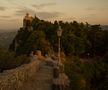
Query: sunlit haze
(91, 11)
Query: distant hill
(6, 38)
(104, 27)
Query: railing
(61, 83)
(60, 79)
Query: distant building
(27, 22)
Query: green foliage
(77, 38)
(87, 75)
(73, 44)
(9, 61)
(36, 41)
(99, 79)
(105, 58)
(74, 69)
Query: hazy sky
(91, 11)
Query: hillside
(104, 27)
(84, 46)
(6, 38)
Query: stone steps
(43, 79)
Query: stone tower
(27, 22)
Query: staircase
(43, 80)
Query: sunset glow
(91, 11)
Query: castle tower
(27, 22)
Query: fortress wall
(15, 78)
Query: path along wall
(15, 78)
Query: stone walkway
(43, 80)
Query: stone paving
(43, 80)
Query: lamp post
(59, 77)
(59, 34)
(60, 80)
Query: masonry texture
(15, 79)
(42, 80)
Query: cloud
(5, 16)
(2, 8)
(43, 5)
(69, 18)
(90, 9)
(48, 15)
(40, 14)
(23, 11)
(8, 20)
(96, 9)
(91, 16)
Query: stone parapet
(14, 79)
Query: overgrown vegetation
(87, 75)
(79, 40)
(9, 61)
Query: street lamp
(60, 79)
(59, 34)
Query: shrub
(75, 70)
(87, 75)
(9, 61)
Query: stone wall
(15, 79)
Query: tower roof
(27, 14)
(28, 17)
